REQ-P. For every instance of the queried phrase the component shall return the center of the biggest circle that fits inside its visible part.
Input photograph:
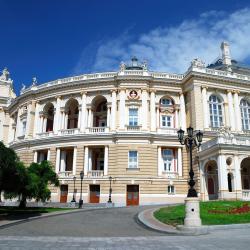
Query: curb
(147, 218)
(16, 222)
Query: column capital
(122, 89)
(236, 91)
(83, 92)
(152, 90)
(58, 97)
(181, 93)
(229, 91)
(113, 90)
(204, 87)
(144, 89)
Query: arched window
(215, 108)
(166, 102)
(245, 114)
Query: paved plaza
(115, 228)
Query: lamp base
(192, 218)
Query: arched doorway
(230, 182)
(245, 174)
(211, 176)
(99, 107)
(49, 116)
(72, 113)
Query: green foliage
(18, 181)
(175, 215)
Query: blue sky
(51, 39)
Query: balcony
(246, 195)
(168, 131)
(71, 131)
(97, 130)
(95, 173)
(65, 174)
(45, 134)
(170, 175)
(133, 128)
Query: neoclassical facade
(124, 125)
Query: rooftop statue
(34, 81)
(5, 75)
(198, 63)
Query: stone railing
(170, 175)
(45, 134)
(97, 130)
(95, 173)
(71, 131)
(65, 174)
(246, 194)
(133, 128)
(169, 131)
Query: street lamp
(74, 192)
(192, 206)
(81, 201)
(110, 189)
(191, 141)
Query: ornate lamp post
(110, 189)
(74, 192)
(81, 201)
(191, 141)
(192, 217)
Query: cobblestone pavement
(110, 229)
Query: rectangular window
(133, 117)
(132, 159)
(166, 121)
(171, 189)
(42, 156)
(168, 160)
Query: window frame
(130, 166)
(171, 121)
(216, 114)
(171, 189)
(132, 119)
(245, 119)
(165, 161)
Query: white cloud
(171, 49)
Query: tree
(8, 165)
(32, 182)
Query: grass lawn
(29, 210)
(212, 213)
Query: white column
(11, 131)
(66, 121)
(44, 123)
(84, 110)
(176, 115)
(35, 157)
(74, 160)
(205, 107)
(231, 110)
(122, 109)
(182, 111)
(237, 176)
(63, 120)
(37, 120)
(158, 125)
(90, 118)
(86, 160)
(222, 175)
(108, 117)
(113, 111)
(106, 158)
(179, 161)
(79, 118)
(57, 160)
(159, 162)
(48, 155)
(237, 111)
(28, 121)
(152, 111)
(56, 125)
(144, 116)
(18, 125)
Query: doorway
(64, 193)
(132, 195)
(94, 193)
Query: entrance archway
(211, 176)
(245, 173)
